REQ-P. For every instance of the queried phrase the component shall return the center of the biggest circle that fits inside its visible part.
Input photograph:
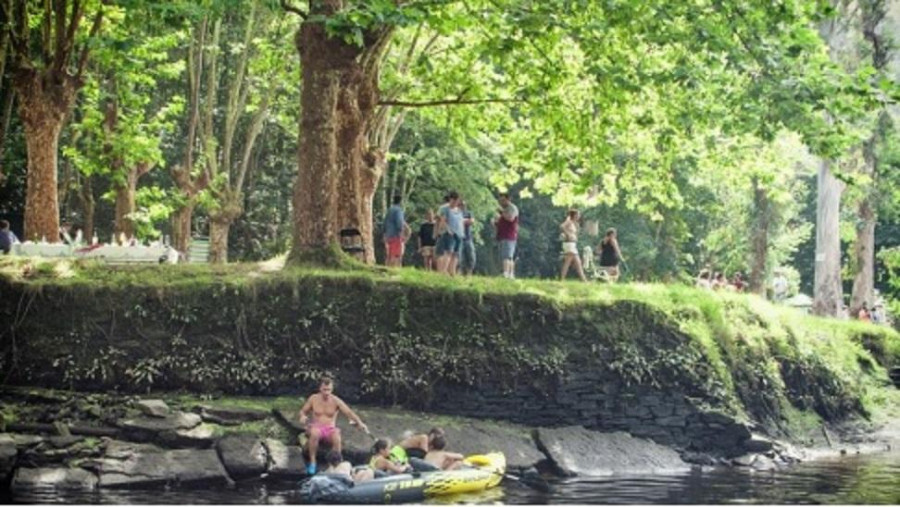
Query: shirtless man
(440, 458)
(325, 406)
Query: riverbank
(713, 376)
(88, 441)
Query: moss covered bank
(696, 370)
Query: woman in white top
(569, 238)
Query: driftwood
(51, 428)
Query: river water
(869, 479)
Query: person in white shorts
(569, 238)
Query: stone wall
(615, 366)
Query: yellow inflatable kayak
(484, 471)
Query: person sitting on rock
(337, 465)
(325, 407)
(381, 462)
(440, 458)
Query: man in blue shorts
(451, 232)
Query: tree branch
(294, 10)
(85, 51)
(448, 102)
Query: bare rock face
(153, 408)
(578, 451)
(58, 478)
(465, 436)
(129, 465)
(244, 456)
(285, 461)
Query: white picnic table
(29, 249)
(122, 254)
(110, 253)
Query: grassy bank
(258, 329)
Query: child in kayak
(381, 462)
(337, 465)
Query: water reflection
(873, 479)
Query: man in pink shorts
(325, 407)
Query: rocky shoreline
(80, 441)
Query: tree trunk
(220, 220)
(43, 106)
(124, 224)
(9, 98)
(864, 252)
(41, 198)
(760, 239)
(86, 196)
(181, 228)
(338, 98)
(218, 239)
(827, 291)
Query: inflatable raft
(485, 471)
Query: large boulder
(58, 478)
(578, 451)
(285, 461)
(153, 408)
(130, 465)
(244, 456)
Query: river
(869, 479)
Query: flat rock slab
(127, 465)
(230, 416)
(58, 478)
(153, 408)
(200, 437)
(20, 440)
(285, 461)
(579, 451)
(148, 428)
(244, 456)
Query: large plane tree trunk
(181, 227)
(125, 199)
(338, 99)
(827, 291)
(220, 220)
(43, 106)
(873, 15)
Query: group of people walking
(445, 240)
(446, 243)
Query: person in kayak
(337, 465)
(325, 406)
(381, 462)
(440, 458)
(414, 446)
